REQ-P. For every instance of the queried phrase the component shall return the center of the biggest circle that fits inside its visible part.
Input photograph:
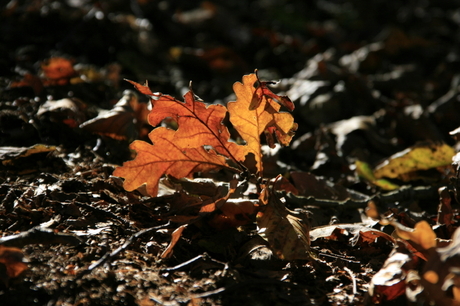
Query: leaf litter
(365, 209)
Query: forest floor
(369, 79)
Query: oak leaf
(201, 141)
(256, 111)
(198, 124)
(165, 157)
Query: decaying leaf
(117, 123)
(11, 263)
(287, 235)
(419, 157)
(175, 236)
(9, 154)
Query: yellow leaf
(419, 157)
(364, 171)
(256, 111)
(422, 234)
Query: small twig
(39, 235)
(208, 293)
(339, 257)
(109, 256)
(353, 279)
(203, 256)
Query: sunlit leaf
(256, 111)
(175, 236)
(422, 234)
(198, 124)
(364, 171)
(202, 141)
(419, 157)
(165, 157)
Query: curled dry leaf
(117, 123)
(287, 235)
(175, 236)
(396, 276)
(359, 232)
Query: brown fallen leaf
(8, 155)
(11, 263)
(234, 213)
(287, 235)
(422, 234)
(69, 111)
(119, 122)
(175, 236)
(392, 280)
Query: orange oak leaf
(201, 141)
(256, 111)
(198, 124)
(165, 156)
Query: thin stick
(353, 279)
